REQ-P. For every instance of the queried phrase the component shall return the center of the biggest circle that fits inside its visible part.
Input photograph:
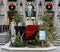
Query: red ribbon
(12, 4)
(49, 4)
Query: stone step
(58, 36)
(4, 38)
(56, 43)
(58, 31)
(2, 43)
(58, 40)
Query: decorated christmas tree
(48, 25)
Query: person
(29, 10)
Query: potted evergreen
(48, 25)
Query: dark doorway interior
(10, 15)
(30, 0)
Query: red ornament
(12, 4)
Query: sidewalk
(58, 49)
(0, 48)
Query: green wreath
(12, 6)
(49, 6)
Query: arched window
(48, 0)
(59, 4)
(21, 4)
(12, 0)
(30, 0)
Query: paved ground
(57, 50)
(0, 48)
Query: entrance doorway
(10, 16)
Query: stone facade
(38, 9)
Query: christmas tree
(48, 25)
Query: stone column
(24, 15)
(37, 10)
(43, 7)
(55, 12)
(5, 12)
(18, 6)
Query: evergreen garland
(48, 25)
(49, 6)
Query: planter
(7, 48)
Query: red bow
(12, 4)
(49, 4)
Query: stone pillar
(37, 10)
(5, 12)
(24, 15)
(18, 7)
(55, 12)
(43, 7)
(40, 12)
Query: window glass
(48, 0)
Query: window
(59, 4)
(21, 4)
(48, 0)
(12, 0)
(40, 3)
(30, 0)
